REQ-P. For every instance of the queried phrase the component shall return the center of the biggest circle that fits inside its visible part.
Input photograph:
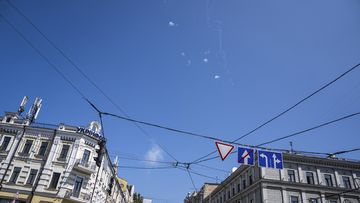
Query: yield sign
(224, 149)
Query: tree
(138, 198)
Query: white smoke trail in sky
(217, 26)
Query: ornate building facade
(304, 179)
(46, 163)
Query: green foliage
(138, 198)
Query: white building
(45, 163)
(304, 179)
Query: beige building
(46, 163)
(199, 196)
(304, 179)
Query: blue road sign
(246, 156)
(270, 159)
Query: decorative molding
(90, 144)
(10, 131)
(70, 139)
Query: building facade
(199, 196)
(45, 163)
(303, 179)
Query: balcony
(77, 196)
(85, 166)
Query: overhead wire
(147, 168)
(82, 73)
(154, 125)
(289, 109)
(192, 181)
(292, 135)
(46, 59)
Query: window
(220, 199)
(251, 201)
(64, 151)
(15, 175)
(333, 201)
(250, 179)
(328, 180)
(27, 146)
(310, 178)
(85, 157)
(224, 197)
(346, 181)
(43, 148)
(229, 194)
(54, 180)
(238, 187)
(294, 199)
(8, 119)
(31, 177)
(77, 186)
(313, 200)
(233, 191)
(244, 184)
(291, 175)
(5, 143)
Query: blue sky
(214, 67)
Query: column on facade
(300, 174)
(337, 179)
(264, 192)
(303, 196)
(77, 146)
(342, 199)
(6, 162)
(284, 195)
(53, 152)
(282, 174)
(263, 172)
(323, 200)
(318, 174)
(356, 180)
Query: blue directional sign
(270, 159)
(246, 156)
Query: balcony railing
(77, 195)
(85, 166)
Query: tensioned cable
(290, 108)
(84, 75)
(292, 134)
(192, 181)
(150, 168)
(43, 56)
(121, 110)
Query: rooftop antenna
(291, 147)
(34, 110)
(22, 105)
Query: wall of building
(20, 147)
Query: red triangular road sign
(224, 149)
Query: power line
(82, 73)
(197, 173)
(140, 128)
(294, 134)
(192, 181)
(148, 168)
(143, 160)
(163, 127)
(290, 108)
(212, 168)
(310, 129)
(43, 56)
(241, 144)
